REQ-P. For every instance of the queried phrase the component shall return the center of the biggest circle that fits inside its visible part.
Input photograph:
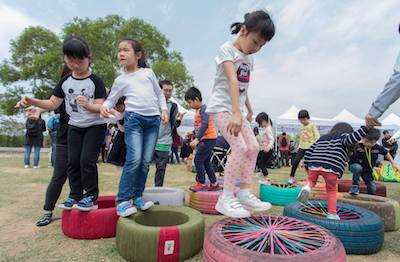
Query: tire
(95, 224)
(222, 244)
(162, 233)
(205, 201)
(165, 195)
(345, 185)
(279, 194)
(388, 209)
(361, 233)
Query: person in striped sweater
(327, 157)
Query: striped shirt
(330, 153)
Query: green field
(21, 201)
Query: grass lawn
(21, 201)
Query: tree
(36, 57)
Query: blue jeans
(141, 133)
(202, 160)
(358, 172)
(36, 155)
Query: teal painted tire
(279, 194)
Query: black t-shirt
(360, 156)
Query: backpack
(284, 142)
(31, 129)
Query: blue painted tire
(361, 233)
(279, 194)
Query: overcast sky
(325, 56)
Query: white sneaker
(304, 194)
(332, 216)
(230, 206)
(36, 167)
(264, 182)
(253, 204)
(26, 166)
(292, 180)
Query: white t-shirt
(142, 92)
(220, 100)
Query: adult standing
(284, 143)
(35, 126)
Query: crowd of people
(145, 124)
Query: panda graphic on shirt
(243, 76)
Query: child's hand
(24, 102)
(179, 116)
(391, 141)
(164, 117)
(235, 124)
(395, 167)
(194, 143)
(104, 112)
(249, 116)
(82, 101)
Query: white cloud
(12, 22)
(166, 8)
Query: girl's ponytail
(235, 28)
(137, 47)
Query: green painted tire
(279, 194)
(163, 233)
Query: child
(364, 160)
(144, 103)
(118, 148)
(327, 158)
(228, 98)
(308, 135)
(266, 144)
(83, 93)
(284, 146)
(204, 142)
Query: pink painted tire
(95, 224)
(270, 238)
(205, 201)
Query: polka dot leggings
(244, 150)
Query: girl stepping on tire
(327, 158)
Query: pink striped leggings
(244, 150)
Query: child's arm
(115, 93)
(91, 107)
(235, 122)
(270, 139)
(50, 104)
(353, 138)
(249, 109)
(117, 114)
(391, 160)
(161, 99)
(204, 123)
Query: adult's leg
(58, 179)
(161, 161)
(36, 156)
(27, 154)
(297, 159)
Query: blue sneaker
(332, 216)
(354, 190)
(139, 202)
(86, 204)
(125, 209)
(68, 204)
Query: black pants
(297, 159)
(263, 159)
(83, 151)
(161, 159)
(58, 179)
(202, 161)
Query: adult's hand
(371, 121)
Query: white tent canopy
(346, 116)
(391, 119)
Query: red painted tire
(95, 224)
(345, 185)
(205, 201)
(270, 238)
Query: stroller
(220, 154)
